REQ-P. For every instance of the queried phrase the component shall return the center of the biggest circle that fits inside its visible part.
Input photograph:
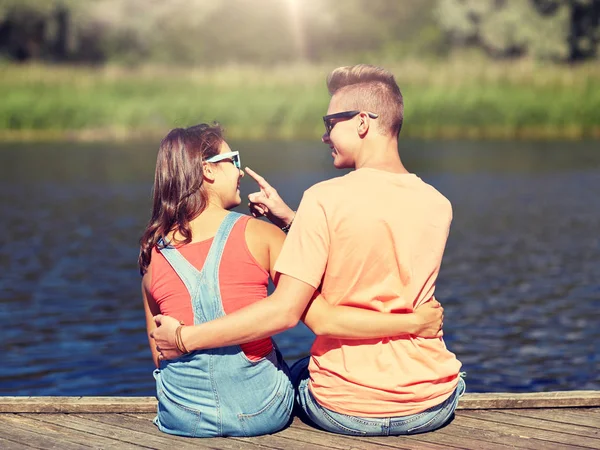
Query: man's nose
(325, 138)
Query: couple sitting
(358, 266)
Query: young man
(377, 233)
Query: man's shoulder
(436, 199)
(325, 187)
(435, 194)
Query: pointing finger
(260, 180)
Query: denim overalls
(219, 392)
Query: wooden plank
(307, 438)
(522, 437)
(428, 440)
(456, 439)
(13, 445)
(282, 440)
(516, 417)
(560, 399)
(451, 436)
(77, 404)
(474, 429)
(142, 439)
(32, 422)
(304, 432)
(148, 428)
(479, 438)
(405, 442)
(11, 430)
(557, 399)
(578, 418)
(305, 435)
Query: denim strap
(213, 259)
(203, 285)
(208, 303)
(182, 267)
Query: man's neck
(381, 155)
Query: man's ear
(364, 123)
(209, 172)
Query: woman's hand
(268, 203)
(164, 337)
(429, 320)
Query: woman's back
(220, 391)
(243, 280)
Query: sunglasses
(233, 156)
(332, 119)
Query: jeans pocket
(435, 417)
(329, 423)
(330, 420)
(175, 418)
(272, 417)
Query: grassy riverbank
(455, 99)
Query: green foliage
(459, 98)
(545, 29)
(197, 32)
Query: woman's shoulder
(264, 230)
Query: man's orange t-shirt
(374, 240)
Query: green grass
(453, 99)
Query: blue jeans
(328, 420)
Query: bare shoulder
(264, 230)
(264, 242)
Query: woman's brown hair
(178, 195)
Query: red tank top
(242, 281)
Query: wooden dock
(552, 420)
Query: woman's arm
(151, 309)
(350, 322)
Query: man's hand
(268, 203)
(429, 320)
(164, 337)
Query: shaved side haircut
(370, 88)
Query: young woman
(200, 261)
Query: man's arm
(278, 312)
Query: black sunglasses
(331, 119)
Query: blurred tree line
(192, 32)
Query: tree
(565, 30)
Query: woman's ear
(209, 172)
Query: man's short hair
(370, 88)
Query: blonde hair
(370, 88)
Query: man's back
(377, 239)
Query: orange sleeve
(306, 248)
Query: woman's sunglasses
(332, 119)
(233, 156)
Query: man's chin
(340, 164)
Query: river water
(520, 281)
